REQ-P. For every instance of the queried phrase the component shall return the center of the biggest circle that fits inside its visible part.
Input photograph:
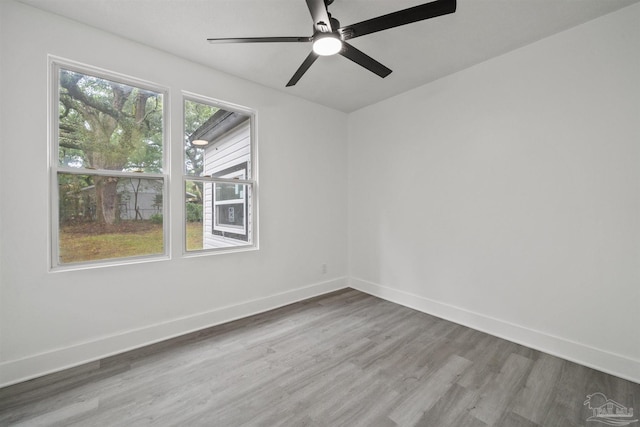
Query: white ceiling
(417, 53)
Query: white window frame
(236, 229)
(250, 181)
(54, 66)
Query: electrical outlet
(323, 268)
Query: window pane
(196, 115)
(229, 192)
(217, 145)
(215, 139)
(107, 217)
(230, 215)
(193, 214)
(104, 125)
(214, 221)
(108, 125)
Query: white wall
(507, 196)
(52, 320)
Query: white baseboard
(15, 371)
(582, 354)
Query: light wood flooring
(343, 359)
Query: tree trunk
(106, 199)
(136, 190)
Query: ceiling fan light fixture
(327, 45)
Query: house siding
(232, 149)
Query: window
(107, 167)
(219, 176)
(230, 205)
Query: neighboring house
(226, 206)
(137, 199)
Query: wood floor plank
(343, 359)
(512, 419)
(63, 414)
(497, 397)
(536, 395)
(411, 409)
(455, 401)
(488, 356)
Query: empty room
(320, 213)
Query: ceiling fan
(330, 38)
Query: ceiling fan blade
(320, 15)
(303, 68)
(396, 19)
(261, 40)
(364, 60)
